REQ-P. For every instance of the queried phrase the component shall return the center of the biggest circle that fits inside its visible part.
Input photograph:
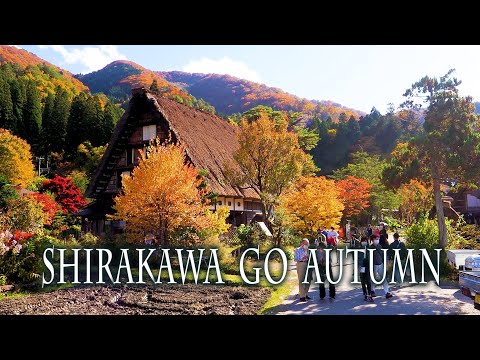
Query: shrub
(21, 261)
(423, 234)
(25, 214)
(469, 239)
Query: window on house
(149, 132)
(130, 156)
(229, 203)
(238, 204)
(219, 203)
(119, 178)
(147, 152)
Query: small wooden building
(210, 143)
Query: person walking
(379, 266)
(397, 244)
(332, 241)
(321, 237)
(383, 241)
(384, 232)
(322, 270)
(301, 258)
(369, 231)
(363, 261)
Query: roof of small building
(209, 140)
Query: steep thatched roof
(210, 141)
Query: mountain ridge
(254, 93)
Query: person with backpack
(379, 266)
(322, 270)
(364, 272)
(397, 244)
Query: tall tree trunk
(442, 228)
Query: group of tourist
(376, 240)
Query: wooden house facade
(210, 143)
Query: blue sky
(357, 76)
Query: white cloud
(224, 65)
(93, 58)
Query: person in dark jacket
(384, 232)
(397, 244)
(369, 231)
(322, 268)
(378, 265)
(364, 272)
(383, 242)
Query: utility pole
(39, 159)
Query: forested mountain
(230, 95)
(49, 108)
(118, 78)
(227, 94)
(56, 113)
(47, 76)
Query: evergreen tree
(32, 116)
(76, 129)
(17, 90)
(111, 115)
(47, 123)
(61, 110)
(7, 120)
(94, 121)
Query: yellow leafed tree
(162, 195)
(15, 159)
(416, 198)
(312, 202)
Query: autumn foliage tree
(449, 144)
(163, 194)
(310, 203)
(66, 193)
(354, 195)
(49, 205)
(15, 159)
(416, 199)
(270, 159)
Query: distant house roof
(210, 141)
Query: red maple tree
(50, 207)
(66, 193)
(354, 195)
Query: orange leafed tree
(270, 159)
(416, 198)
(312, 202)
(162, 195)
(354, 195)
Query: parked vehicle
(469, 282)
(472, 262)
(457, 257)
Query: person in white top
(332, 240)
(332, 237)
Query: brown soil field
(156, 300)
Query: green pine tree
(17, 90)
(47, 124)
(76, 125)
(61, 110)
(111, 115)
(32, 116)
(7, 120)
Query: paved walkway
(420, 299)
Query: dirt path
(159, 300)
